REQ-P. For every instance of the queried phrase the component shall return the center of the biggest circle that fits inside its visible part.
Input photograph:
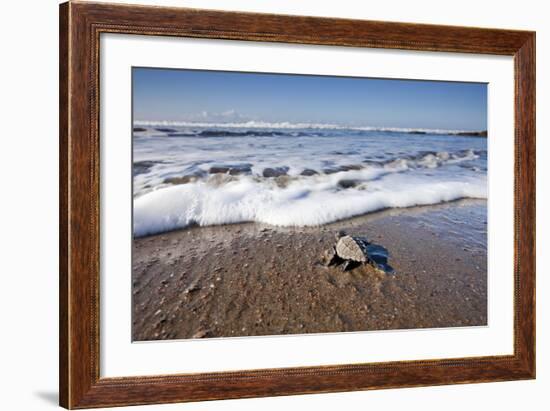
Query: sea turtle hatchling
(352, 248)
(350, 252)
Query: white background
(28, 217)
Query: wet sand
(252, 279)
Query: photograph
(265, 203)
(272, 204)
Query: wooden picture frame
(80, 27)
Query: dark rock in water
(309, 172)
(246, 168)
(219, 170)
(166, 130)
(275, 172)
(348, 183)
(139, 129)
(349, 167)
(233, 170)
(180, 180)
(353, 248)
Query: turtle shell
(352, 248)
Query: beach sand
(251, 279)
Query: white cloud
(229, 115)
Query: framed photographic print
(257, 205)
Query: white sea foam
(304, 202)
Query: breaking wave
(289, 174)
(316, 198)
(298, 204)
(252, 127)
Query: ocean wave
(313, 201)
(164, 126)
(423, 159)
(287, 181)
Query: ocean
(291, 175)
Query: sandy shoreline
(250, 279)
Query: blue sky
(217, 96)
